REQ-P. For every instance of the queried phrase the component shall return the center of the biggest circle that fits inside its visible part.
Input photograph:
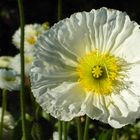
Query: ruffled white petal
(95, 107)
(129, 49)
(52, 85)
(63, 102)
(104, 29)
(51, 76)
(134, 78)
(124, 109)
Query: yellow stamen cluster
(98, 72)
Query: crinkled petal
(123, 109)
(103, 29)
(50, 75)
(134, 78)
(96, 108)
(63, 102)
(129, 49)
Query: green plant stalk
(65, 130)
(4, 105)
(114, 134)
(59, 10)
(86, 128)
(60, 129)
(79, 128)
(22, 90)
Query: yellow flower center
(98, 72)
(31, 40)
(28, 59)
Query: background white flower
(15, 63)
(56, 136)
(9, 79)
(89, 64)
(5, 61)
(8, 124)
(32, 31)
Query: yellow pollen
(98, 72)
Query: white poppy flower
(89, 64)
(15, 63)
(31, 33)
(9, 79)
(5, 61)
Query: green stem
(4, 105)
(60, 130)
(86, 128)
(78, 120)
(65, 130)
(22, 91)
(114, 134)
(59, 8)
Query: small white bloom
(5, 61)
(9, 79)
(15, 63)
(8, 124)
(89, 64)
(8, 120)
(32, 31)
(56, 136)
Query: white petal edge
(63, 102)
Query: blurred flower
(32, 31)
(9, 79)
(56, 136)
(89, 64)
(15, 63)
(8, 124)
(5, 61)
